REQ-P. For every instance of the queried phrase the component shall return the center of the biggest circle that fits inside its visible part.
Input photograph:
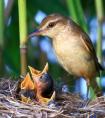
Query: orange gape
(27, 83)
(40, 87)
(28, 89)
(44, 84)
(73, 47)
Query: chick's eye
(50, 25)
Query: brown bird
(73, 47)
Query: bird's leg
(88, 86)
(87, 95)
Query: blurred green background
(27, 15)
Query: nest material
(65, 106)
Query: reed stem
(1, 36)
(76, 12)
(100, 17)
(23, 34)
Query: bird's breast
(72, 56)
(66, 51)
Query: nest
(66, 105)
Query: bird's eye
(50, 25)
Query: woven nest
(65, 106)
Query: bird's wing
(77, 30)
(89, 47)
(88, 44)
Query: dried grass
(65, 105)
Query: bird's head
(50, 26)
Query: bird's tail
(101, 67)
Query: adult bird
(73, 47)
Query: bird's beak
(34, 72)
(46, 101)
(27, 83)
(45, 70)
(36, 32)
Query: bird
(72, 45)
(44, 84)
(27, 89)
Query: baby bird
(28, 89)
(44, 85)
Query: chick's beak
(36, 32)
(36, 73)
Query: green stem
(1, 23)
(99, 9)
(23, 35)
(99, 42)
(76, 12)
(80, 15)
(72, 10)
(100, 17)
(1, 36)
